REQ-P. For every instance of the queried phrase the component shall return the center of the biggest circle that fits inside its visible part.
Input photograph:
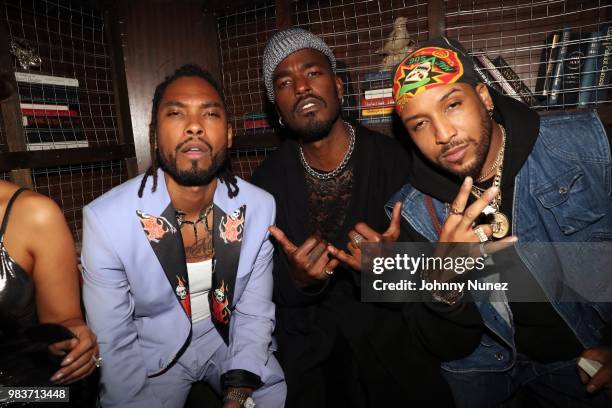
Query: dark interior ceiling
(218, 6)
(209, 6)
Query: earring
(491, 111)
(280, 121)
(341, 99)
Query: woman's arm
(51, 255)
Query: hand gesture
(82, 355)
(363, 233)
(459, 226)
(603, 378)
(310, 262)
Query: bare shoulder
(37, 212)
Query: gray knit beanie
(286, 42)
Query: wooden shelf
(254, 140)
(62, 157)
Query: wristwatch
(240, 397)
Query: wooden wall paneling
(22, 177)
(158, 37)
(61, 157)
(283, 16)
(121, 101)
(435, 18)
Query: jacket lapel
(228, 231)
(164, 236)
(165, 239)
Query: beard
(315, 130)
(482, 150)
(195, 176)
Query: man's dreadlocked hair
(189, 70)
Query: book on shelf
(604, 65)
(515, 81)
(480, 71)
(49, 112)
(371, 120)
(35, 146)
(67, 122)
(55, 138)
(255, 120)
(377, 102)
(547, 65)
(557, 77)
(49, 94)
(50, 135)
(378, 93)
(39, 106)
(573, 67)
(588, 79)
(385, 111)
(32, 78)
(256, 123)
(378, 76)
(376, 80)
(490, 69)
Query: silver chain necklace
(341, 166)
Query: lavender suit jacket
(136, 287)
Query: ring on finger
(329, 272)
(97, 361)
(356, 239)
(482, 237)
(316, 253)
(455, 211)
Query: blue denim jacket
(563, 193)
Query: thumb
(392, 233)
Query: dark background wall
(157, 37)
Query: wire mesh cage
(242, 38)
(74, 186)
(245, 161)
(520, 43)
(63, 71)
(548, 54)
(64, 78)
(367, 38)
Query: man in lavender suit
(177, 265)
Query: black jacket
(334, 349)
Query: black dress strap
(8, 211)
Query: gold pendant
(502, 225)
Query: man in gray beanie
(327, 176)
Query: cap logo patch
(423, 69)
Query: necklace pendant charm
(489, 210)
(502, 225)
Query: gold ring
(455, 211)
(482, 237)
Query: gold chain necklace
(500, 223)
(498, 160)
